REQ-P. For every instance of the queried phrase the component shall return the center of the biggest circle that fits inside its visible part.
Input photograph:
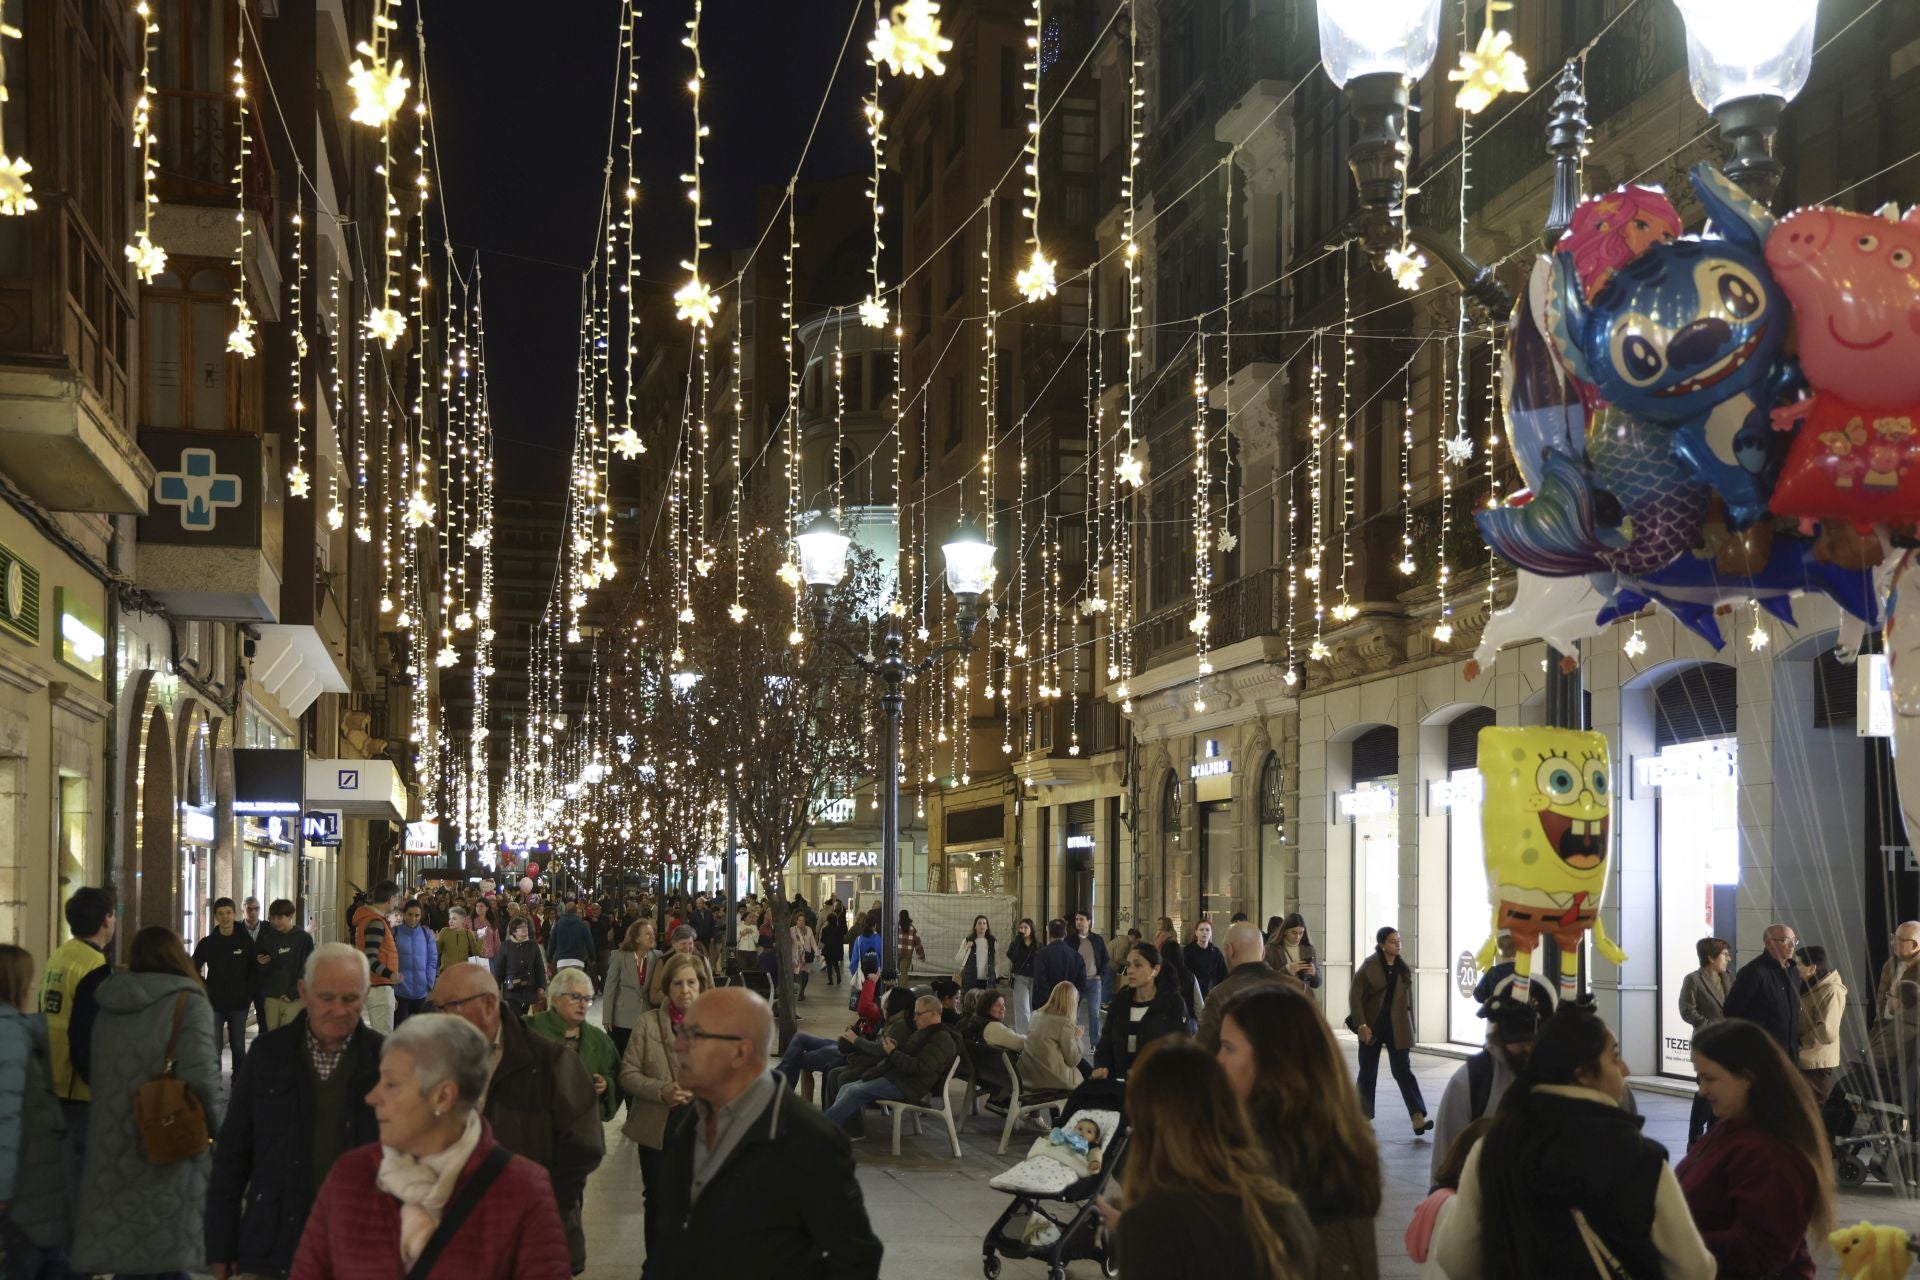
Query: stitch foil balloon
(1687, 336)
(1853, 280)
(1546, 821)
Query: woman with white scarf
(436, 1196)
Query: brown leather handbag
(171, 1121)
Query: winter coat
(571, 940)
(657, 977)
(804, 944)
(978, 964)
(1255, 973)
(1703, 998)
(1368, 991)
(920, 1065)
(784, 1202)
(624, 1002)
(865, 944)
(457, 946)
(229, 964)
(1752, 1197)
(513, 1233)
(1051, 1059)
(1277, 957)
(1768, 992)
(70, 965)
(1821, 1009)
(541, 1106)
(521, 971)
(1206, 965)
(419, 960)
(647, 1067)
(596, 1052)
(1020, 954)
(145, 1217)
(1053, 964)
(833, 939)
(1122, 1039)
(33, 1132)
(264, 1181)
(373, 938)
(279, 978)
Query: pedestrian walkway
(931, 1210)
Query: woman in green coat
(569, 992)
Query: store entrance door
(1216, 864)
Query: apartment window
(956, 422)
(923, 170)
(191, 380)
(957, 120)
(956, 269)
(923, 306)
(1170, 542)
(1012, 87)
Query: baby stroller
(1869, 1121)
(1047, 1191)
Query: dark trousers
(26, 1260)
(800, 981)
(652, 1168)
(620, 1037)
(1401, 1063)
(234, 1023)
(405, 1007)
(259, 1015)
(833, 971)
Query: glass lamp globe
(969, 561)
(1371, 37)
(823, 552)
(1747, 48)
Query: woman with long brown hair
(1762, 1175)
(1289, 1074)
(1201, 1198)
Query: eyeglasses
(687, 1031)
(574, 995)
(451, 1005)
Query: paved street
(932, 1210)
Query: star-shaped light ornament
(738, 612)
(16, 193)
(696, 304)
(1634, 645)
(1228, 541)
(628, 444)
(379, 91)
(336, 515)
(386, 324)
(1444, 632)
(1132, 469)
(909, 41)
(363, 532)
(1036, 280)
(873, 313)
(148, 258)
(299, 483)
(1199, 622)
(1092, 605)
(789, 575)
(1319, 652)
(240, 341)
(1405, 264)
(419, 511)
(1489, 69)
(445, 658)
(1459, 450)
(1345, 613)
(481, 537)
(1407, 566)
(463, 621)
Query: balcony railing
(197, 135)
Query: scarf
(424, 1186)
(674, 1016)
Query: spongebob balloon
(1546, 819)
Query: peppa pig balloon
(1854, 281)
(1687, 336)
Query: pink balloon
(526, 885)
(1854, 281)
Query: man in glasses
(539, 1099)
(1767, 990)
(750, 1162)
(1903, 965)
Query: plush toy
(1687, 336)
(1546, 826)
(1852, 279)
(1868, 1252)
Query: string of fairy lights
(1054, 617)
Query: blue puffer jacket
(33, 1133)
(419, 960)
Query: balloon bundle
(1674, 452)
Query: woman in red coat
(383, 1205)
(1761, 1175)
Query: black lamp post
(1746, 60)
(823, 563)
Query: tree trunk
(785, 1018)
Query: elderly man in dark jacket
(1767, 990)
(1055, 963)
(540, 1100)
(1246, 956)
(907, 1072)
(299, 1102)
(750, 1163)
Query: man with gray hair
(907, 1072)
(751, 1163)
(299, 1102)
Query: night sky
(522, 100)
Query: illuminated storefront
(1371, 810)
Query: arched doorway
(1278, 872)
(1373, 811)
(158, 873)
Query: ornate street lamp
(823, 564)
(1376, 50)
(1746, 60)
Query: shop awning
(357, 788)
(294, 664)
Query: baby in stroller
(1054, 1187)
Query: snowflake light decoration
(1036, 280)
(481, 538)
(1489, 69)
(445, 658)
(1318, 651)
(1131, 469)
(299, 483)
(336, 516)
(419, 511)
(873, 313)
(1407, 566)
(909, 42)
(1443, 633)
(696, 304)
(379, 91)
(1093, 605)
(148, 258)
(16, 193)
(1459, 450)
(240, 341)
(1344, 612)
(1228, 540)
(1199, 622)
(1634, 645)
(605, 569)
(628, 444)
(1406, 264)
(737, 612)
(387, 324)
